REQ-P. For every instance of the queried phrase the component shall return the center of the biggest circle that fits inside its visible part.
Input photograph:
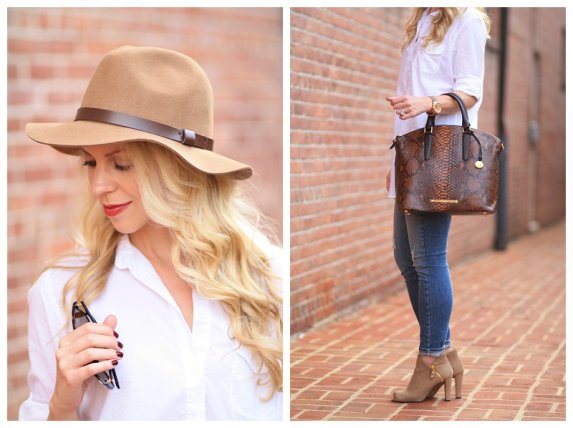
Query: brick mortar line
(346, 83)
(336, 211)
(311, 194)
(342, 121)
(333, 158)
(334, 133)
(502, 357)
(340, 210)
(549, 361)
(342, 107)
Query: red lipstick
(113, 210)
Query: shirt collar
(126, 253)
(128, 257)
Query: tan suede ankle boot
(425, 379)
(458, 373)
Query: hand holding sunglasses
(80, 316)
(91, 349)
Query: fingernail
(115, 334)
(114, 362)
(120, 344)
(119, 354)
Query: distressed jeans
(420, 242)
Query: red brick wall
(343, 63)
(52, 54)
(541, 30)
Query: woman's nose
(101, 182)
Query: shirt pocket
(430, 57)
(248, 397)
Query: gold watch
(436, 106)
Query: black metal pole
(501, 217)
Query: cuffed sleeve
(468, 57)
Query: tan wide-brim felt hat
(145, 94)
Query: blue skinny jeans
(420, 242)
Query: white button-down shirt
(457, 63)
(168, 372)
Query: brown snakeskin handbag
(447, 168)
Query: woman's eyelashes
(120, 166)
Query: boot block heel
(459, 379)
(447, 389)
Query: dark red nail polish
(114, 362)
(119, 354)
(115, 334)
(120, 344)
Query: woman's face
(112, 181)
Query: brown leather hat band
(183, 136)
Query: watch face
(437, 107)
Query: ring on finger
(401, 113)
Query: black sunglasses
(80, 316)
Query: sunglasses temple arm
(115, 378)
(88, 313)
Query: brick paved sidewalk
(508, 325)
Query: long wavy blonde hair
(441, 22)
(210, 223)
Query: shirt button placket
(184, 347)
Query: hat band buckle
(183, 136)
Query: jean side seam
(427, 305)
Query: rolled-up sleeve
(43, 338)
(468, 58)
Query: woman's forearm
(408, 106)
(449, 105)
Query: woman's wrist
(62, 413)
(435, 105)
(429, 104)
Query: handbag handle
(463, 109)
(467, 134)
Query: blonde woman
(171, 307)
(443, 51)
